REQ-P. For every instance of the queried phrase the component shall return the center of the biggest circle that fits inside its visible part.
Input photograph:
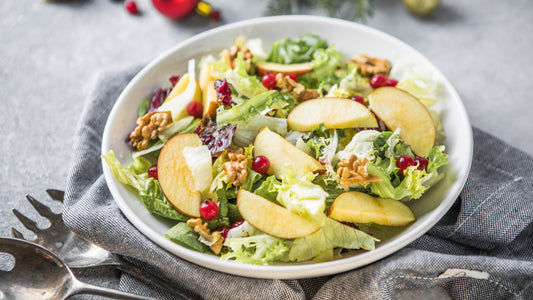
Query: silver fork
(76, 251)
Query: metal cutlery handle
(154, 280)
(79, 287)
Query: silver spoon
(39, 274)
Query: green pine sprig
(347, 9)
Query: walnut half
(236, 167)
(214, 240)
(298, 90)
(148, 126)
(369, 65)
(353, 170)
(231, 54)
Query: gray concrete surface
(49, 53)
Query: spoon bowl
(39, 274)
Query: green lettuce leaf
(361, 145)
(300, 50)
(257, 249)
(247, 108)
(155, 202)
(283, 104)
(332, 235)
(251, 179)
(436, 158)
(325, 63)
(185, 236)
(220, 177)
(247, 130)
(233, 213)
(331, 187)
(351, 84)
(246, 85)
(422, 85)
(301, 196)
(410, 187)
(317, 139)
(133, 175)
(269, 189)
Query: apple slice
(178, 105)
(333, 112)
(181, 86)
(175, 177)
(280, 152)
(209, 94)
(399, 109)
(357, 207)
(264, 67)
(271, 218)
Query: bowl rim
(293, 271)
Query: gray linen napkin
(482, 249)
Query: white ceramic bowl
(349, 38)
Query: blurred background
(50, 53)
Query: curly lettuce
(301, 195)
(259, 249)
(293, 51)
(332, 235)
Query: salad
(295, 154)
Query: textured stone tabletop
(50, 52)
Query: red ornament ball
(175, 9)
(131, 7)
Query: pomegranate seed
(174, 79)
(223, 231)
(359, 99)
(391, 82)
(152, 172)
(272, 113)
(195, 109)
(128, 140)
(404, 161)
(208, 210)
(131, 7)
(269, 81)
(291, 76)
(237, 224)
(261, 164)
(378, 80)
(215, 15)
(422, 163)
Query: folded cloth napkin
(481, 249)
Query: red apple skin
(175, 176)
(400, 109)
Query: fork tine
(57, 195)
(27, 222)
(16, 234)
(42, 209)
